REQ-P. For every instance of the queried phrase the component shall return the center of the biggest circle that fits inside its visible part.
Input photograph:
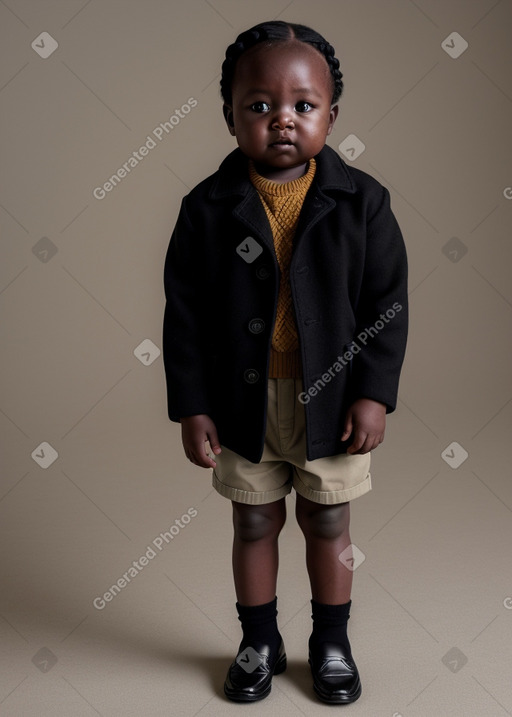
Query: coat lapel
(232, 180)
(251, 213)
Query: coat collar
(233, 176)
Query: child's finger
(214, 441)
(199, 455)
(358, 443)
(347, 429)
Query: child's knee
(258, 522)
(323, 521)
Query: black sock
(259, 625)
(330, 625)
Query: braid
(328, 52)
(243, 42)
(270, 33)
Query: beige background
(434, 589)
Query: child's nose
(283, 120)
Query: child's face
(281, 112)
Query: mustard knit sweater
(282, 204)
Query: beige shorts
(334, 479)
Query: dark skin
(281, 115)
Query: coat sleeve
(185, 318)
(382, 311)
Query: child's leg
(255, 550)
(326, 530)
(255, 562)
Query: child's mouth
(281, 143)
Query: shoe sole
(241, 697)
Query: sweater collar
(267, 187)
(233, 176)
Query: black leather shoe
(250, 675)
(335, 676)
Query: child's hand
(195, 431)
(365, 421)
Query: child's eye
(260, 107)
(303, 106)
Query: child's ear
(332, 117)
(228, 116)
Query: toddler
(284, 335)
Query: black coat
(348, 268)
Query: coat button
(302, 270)
(263, 272)
(251, 375)
(256, 326)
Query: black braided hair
(270, 33)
